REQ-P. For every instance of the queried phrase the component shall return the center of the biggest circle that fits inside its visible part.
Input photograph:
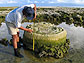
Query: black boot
(19, 45)
(17, 53)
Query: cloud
(42, 2)
(11, 1)
(69, 1)
(79, 1)
(1, 2)
(29, 1)
(51, 2)
(61, 1)
(8, 1)
(36, 2)
(57, 1)
(32, 1)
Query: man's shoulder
(14, 10)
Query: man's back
(12, 15)
(16, 16)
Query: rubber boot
(18, 45)
(17, 53)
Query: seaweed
(47, 47)
(4, 42)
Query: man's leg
(18, 36)
(14, 37)
(13, 31)
(17, 53)
(18, 43)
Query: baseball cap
(30, 12)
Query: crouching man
(13, 21)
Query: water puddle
(75, 55)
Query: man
(13, 21)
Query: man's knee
(15, 37)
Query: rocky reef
(55, 15)
(59, 15)
(50, 40)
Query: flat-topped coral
(50, 40)
(45, 28)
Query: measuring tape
(33, 34)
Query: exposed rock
(49, 39)
(4, 41)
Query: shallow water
(75, 55)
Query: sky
(65, 3)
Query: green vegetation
(7, 8)
(48, 48)
(46, 43)
(2, 19)
(75, 18)
(57, 16)
(3, 12)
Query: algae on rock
(50, 40)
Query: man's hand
(25, 29)
(29, 30)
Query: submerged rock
(50, 40)
(4, 42)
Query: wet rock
(70, 60)
(48, 40)
(4, 41)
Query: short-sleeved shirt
(16, 16)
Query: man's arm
(18, 23)
(25, 29)
(35, 11)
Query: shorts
(12, 28)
